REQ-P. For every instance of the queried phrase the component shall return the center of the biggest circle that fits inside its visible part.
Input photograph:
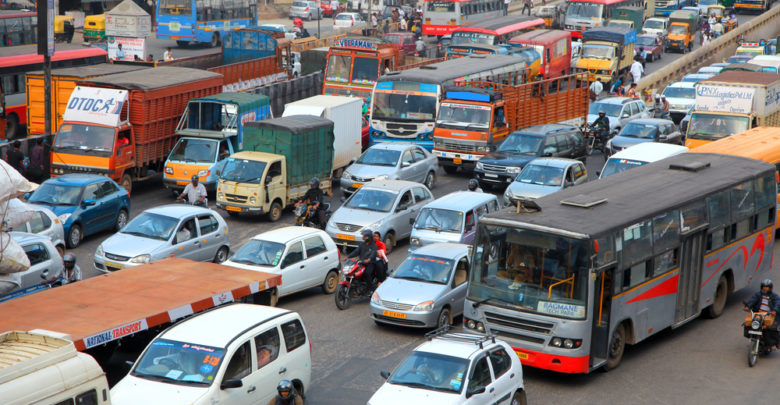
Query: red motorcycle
(353, 284)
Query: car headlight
(508, 193)
(64, 217)
(375, 299)
(423, 307)
(514, 170)
(415, 241)
(203, 173)
(140, 259)
(382, 177)
(168, 170)
(99, 251)
(252, 200)
(346, 174)
(220, 196)
(480, 166)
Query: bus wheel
(215, 40)
(12, 127)
(617, 345)
(719, 302)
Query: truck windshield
(677, 30)
(194, 150)
(591, 51)
(149, 225)
(379, 157)
(680, 92)
(466, 38)
(712, 127)
(56, 194)
(243, 171)
(365, 70)
(530, 271)
(585, 10)
(655, 24)
(440, 220)
(637, 130)
(259, 253)
(85, 138)
(179, 363)
(404, 107)
(615, 166)
(372, 200)
(519, 143)
(338, 68)
(541, 175)
(463, 116)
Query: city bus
(585, 14)
(441, 17)
(404, 104)
(23, 59)
(496, 31)
(203, 21)
(355, 63)
(18, 27)
(572, 277)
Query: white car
(681, 97)
(234, 354)
(305, 257)
(288, 31)
(45, 223)
(348, 20)
(455, 368)
(44, 259)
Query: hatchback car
(452, 218)
(391, 161)
(44, 223)
(681, 97)
(455, 368)
(404, 41)
(307, 10)
(385, 206)
(500, 168)
(44, 259)
(347, 20)
(187, 231)
(652, 44)
(234, 354)
(545, 176)
(304, 257)
(84, 203)
(619, 110)
(645, 130)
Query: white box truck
(346, 113)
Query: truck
(42, 366)
(280, 156)
(682, 31)
(123, 125)
(345, 112)
(733, 102)
(475, 117)
(606, 53)
(634, 14)
(210, 130)
(135, 303)
(667, 7)
(758, 6)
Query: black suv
(500, 168)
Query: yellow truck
(606, 53)
(682, 31)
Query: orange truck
(475, 117)
(123, 125)
(111, 308)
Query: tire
(182, 44)
(74, 236)
(617, 346)
(444, 318)
(343, 300)
(221, 255)
(13, 128)
(389, 241)
(430, 180)
(719, 302)
(232, 213)
(519, 398)
(61, 250)
(127, 183)
(121, 219)
(275, 212)
(752, 354)
(331, 282)
(214, 40)
(450, 169)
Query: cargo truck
(634, 14)
(210, 130)
(733, 102)
(606, 53)
(123, 125)
(280, 156)
(682, 31)
(473, 121)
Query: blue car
(84, 203)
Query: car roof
(649, 151)
(285, 234)
(615, 100)
(652, 121)
(451, 347)
(682, 84)
(546, 129)
(552, 162)
(76, 179)
(698, 74)
(402, 146)
(179, 210)
(461, 200)
(221, 325)
(23, 238)
(391, 185)
(444, 250)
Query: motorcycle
(186, 201)
(755, 326)
(353, 284)
(592, 140)
(304, 215)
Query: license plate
(492, 176)
(394, 314)
(345, 237)
(234, 209)
(457, 161)
(356, 185)
(754, 332)
(114, 265)
(521, 355)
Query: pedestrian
(168, 54)
(705, 39)
(120, 54)
(401, 12)
(632, 91)
(718, 29)
(527, 4)
(386, 27)
(360, 5)
(35, 170)
(15, 157)
(334, 8)
(506, 6)
(374, 23)
(615, 89)
(595, 89)
(402, 25)
(637, 70)
(150, 58)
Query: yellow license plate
(347, 237)
(521, 355)
(114, 265)
(234, 209)
(356, 185)
(394, 314)
(457, 161)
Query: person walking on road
(632, 91)
(595, 89)
(637, 70)
(506, 6)
(15, 157)
(527, 5)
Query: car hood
(680, 100)
(528, 191)
(122, 244)
(507, 159)
(369, 171)
(409, 291)
(253, 267)
(624, 141)
(133, 390)
(354, 216)
(392, 394)
(59, 209)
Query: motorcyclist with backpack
(601, 127)
(315, 197)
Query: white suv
(455, 368)
(234, 354)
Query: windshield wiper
(414, 385)
(480, 302)
(167, 379)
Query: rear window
(300, 4)
(294, 335)
(344, 17)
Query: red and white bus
(495, 31)
(441, 17)
(586, 14)
(23, 59)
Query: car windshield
(520, 143)
(680, 92)
(154, 226)
(404, 106)
(379, 157)
(243, 171)
(645, 41)
(75, 138)
(615, 166)
(591, 51)
(463, 116)
(179, 363)
(708, 2)
(194, 150)
(541, 175)
(431, 371)
(654, 24)
(712, 126)
(637, 130)
(582, 10)
(56, 194)
(393, 39)
(612, 110)
(429, 269)
(372, 200)
(259, 253)
(439, 220)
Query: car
(327, 11)
(288, 31)
(639, 155)
(296, 64)
(645, 130)
(236, 354)
(348, 20)
(404, 41)
(427, 290)
(85, 204)
(712, 69)
(392, 161)
(308, 10)
(385, 206)
(652, 44)
(44, 260)
(455, 368)
(500, 168)
(696, 77)
(45, 223)
(681, 97)
(545, 176)
(304, 257)
(739, 59)
(451, 218)
(619, 110)
(658, 26)
(187, 231)
(364, 129)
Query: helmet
(767, 283)
(473, 184)
(314, 182)
(602, 112)
(194, 177)
(285, 386)
(70, 260)
(298, 22)
(367, 232)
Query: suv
(455, 368)
(500, 168)
(620, 110)
(232, 354)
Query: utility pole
(45, 10)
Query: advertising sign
(718, 98)
(132, 47)
(96, 105)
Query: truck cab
(606, 53)
(682, 30)
(251, 182)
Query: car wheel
(389, 241)
(519, 398)
(61, 250)
(222, 255)
(74, 236)
(331, 282)
(121, 220)
(430, 179)
(127, 183)
(444, 318)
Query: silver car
(391, 162)
(44, 259)
(307, 10)
(170, 230)
(619, 110)
(545, 176)
(385, 206)
(45, 223)
(427, 289)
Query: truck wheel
(214, 40)
(127, 183)
(182, 44)
(450, 169)
(275, 212)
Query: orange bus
(355, 63)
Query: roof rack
(443, 333)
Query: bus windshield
(466, 38)
(441, 6)
(712, 127)
(530, 271)
(585, 10)
(463, 116)
(404, 106)
(175, 7)
(590, 51)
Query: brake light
(307, 9)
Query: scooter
(353, 284)
(304, 215)
(755, 327)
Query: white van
(639, 155)
(43, 367)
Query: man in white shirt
(334, 8)
(195, 192)
(596, 88)
(637, 70)
(168, 54)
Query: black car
(500, 168)
(645, 130)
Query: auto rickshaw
(95, 28)
(63, 28)
(720, 12)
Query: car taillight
(307, 9)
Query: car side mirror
(235, 383)
(411, 221)
(479, 389)
(88, 203)
(598, 173)
(405, 164)
(353, 160)
(385, 374)
(401, 207)
(625, 115)
(547, 154)
(567, 184)
(219, 173)
(663, 137)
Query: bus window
(637, 243)
(742, 200)
(606, 253)
(666, 231)
(693, 216)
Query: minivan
(452, 218)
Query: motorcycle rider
(70, 274)
(287, 395)
(767, 301)
(474, 186)
(366, 253)
(195, 192)
(381, 257)
(314, 197)
(601, 126)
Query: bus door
(688, 289)
(602, 305)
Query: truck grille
(117, 257)
(348, 227)
(397, 305)
(517, 323)
(235, 198)
(461, 147)
(494, 168)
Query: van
(452, 218)
(639, 155)
(43, 367)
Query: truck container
(44, 367)
(476, 117)
(280, 156)
(682, 31)
(634, 14)
(606, 53)
(123, 125)
(554, 46)
(345, 112)
(733, 102)
(314, 60)
(63, 81)
(210, 130)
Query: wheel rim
(388, 243)
(276, 212)
(75, 236)
(332, 281)
(720, 298)
(444, 318)
(616, 348)
(221, 255)
(121, 220)
(127, 183)
(429, 180)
